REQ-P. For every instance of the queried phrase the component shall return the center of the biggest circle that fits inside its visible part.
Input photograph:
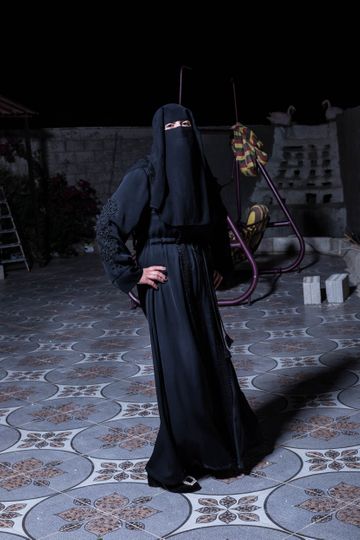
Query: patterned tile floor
(78, 414)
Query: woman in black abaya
(172, 205)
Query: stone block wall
(304, 163)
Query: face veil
(182, 179)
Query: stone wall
(305, 163)
(349, 146)
(100, 155)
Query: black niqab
(182, 180)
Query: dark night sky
(107, 71)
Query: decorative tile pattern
(310, 401)
(298, 332)
(107, 514)
(78, 413)
(63, 414)
(144, 369)
(9, 514)
(37, 473)
(323, 500)
(50, 439)
(26, 375)
(14, 394)
(348, 343)
(112, 511)
(325, 428)
(140, 390)
(102, 357)
(25, 472)
(225, 510)
(93, 390)
(121, 471)
(297, 361)
(130, 410)
(318, 461)
(129, 438)
(339, 318)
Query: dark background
(116, 66)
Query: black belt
(178, 240)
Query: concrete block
(337, 288)
(311, 290)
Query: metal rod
(237, 186)
(134, 299)
(181, 82)
(255, 273)
(235, 100)
(292, 224)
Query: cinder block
(337, 288)
(311, 290)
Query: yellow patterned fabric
(247, 150)
(252, 231)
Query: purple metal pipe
(290, 221)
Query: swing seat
(252, 231)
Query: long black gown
(206, 424)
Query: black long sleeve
(119, 217)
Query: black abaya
(206, 424)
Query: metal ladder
(11, 249)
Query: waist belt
(178, 240)
(153, 241)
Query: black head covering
(182, 179)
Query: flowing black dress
(206, 424)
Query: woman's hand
(151, 275)
(217, 278)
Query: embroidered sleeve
(119, 217)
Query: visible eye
(171, 125)
(186, 123)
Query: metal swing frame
(241, 244)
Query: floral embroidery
(105, 231)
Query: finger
(151, 283)
(158, 267)
(158, 276)
(161, 277)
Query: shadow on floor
(272, 426)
